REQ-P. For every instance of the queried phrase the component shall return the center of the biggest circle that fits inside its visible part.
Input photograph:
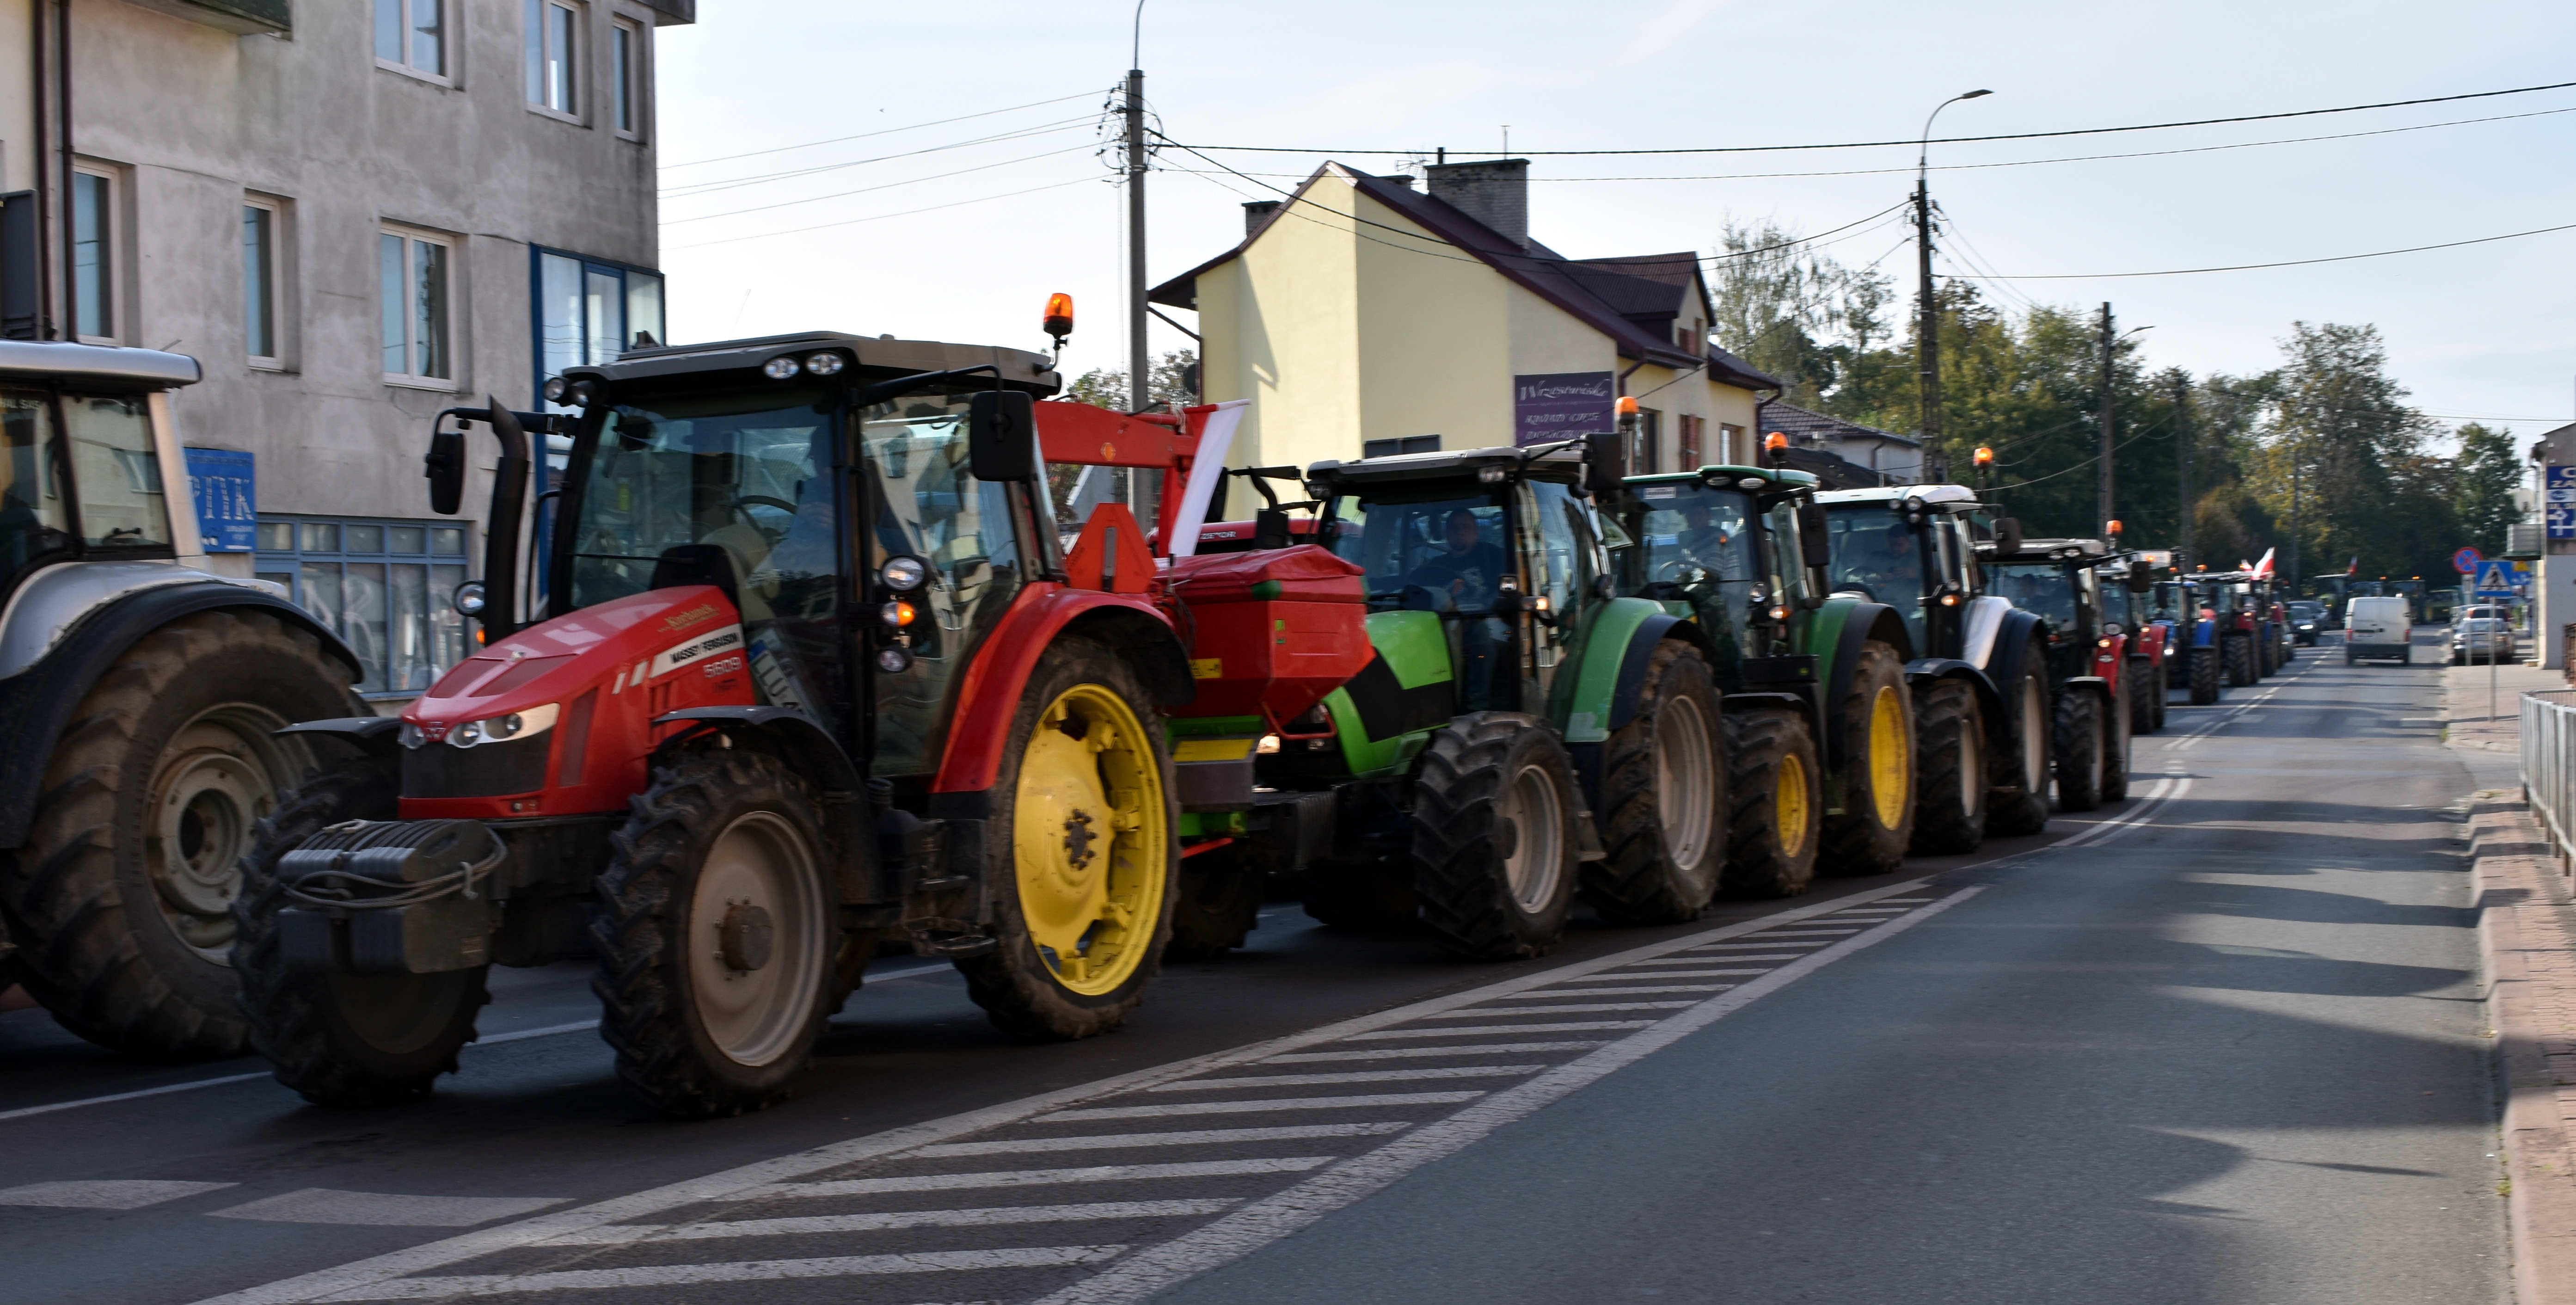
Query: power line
(888, 131)
(2294, 262)
(844, 194)
(697, 188)
(1948, 140)
(879, 217)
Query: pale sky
(2480, 332)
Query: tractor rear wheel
(344, 1040)
(121, 897)
(1877, 820)
(2239, 657)
(1084, 851)
(2267, 659)
(2115, 741)
(2081, 751)
(716, 933)
(2017, 802)
(1777, 789)
(1218, 904)
(2203, 672)
(1663, 797)
(2164, 689)
(2139, 673)
(1494, 812)
(1950, 760)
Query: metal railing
(2549, 763)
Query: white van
(2377, 627)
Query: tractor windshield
(1877, 554)
(1435, 550)
(1694, 539)
(2044, 589)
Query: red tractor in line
(2105, 666)
(807, 664)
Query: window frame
(627, 82)
(536, 45)
(111, 252)
(412, 238)
(589, 265)
(280, 315)
(444, 74)
(290, 562)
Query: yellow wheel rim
(1789, 804)
(1091, 839)
(1890, 779)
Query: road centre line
(1149, 1271)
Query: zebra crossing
(1113, 1190)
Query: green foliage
(1174, 383)
(2489, 473)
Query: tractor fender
(1002, 664)
(1926, 670)
(810, 750)
(2093, 684)
(1641, 650)
(1861, 622)
(2019, 641)
(1982, 629)
(59, 639)
(374, 736)
(1585, 700)
(1797, 702)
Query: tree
(1174, 383)
(1799, 315)
(2343, 459)
(2487, 475)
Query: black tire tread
(1759, 743)
(1854, 843)
(1949, 802)
(1457, 865)
(1638, 882)
(2079, 746)
(2021, 810)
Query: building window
(589, 311)
(626, 76)
(1393, 447)
(412, 35)
(385, 586)
(263, 284)
(1732, 446)
(1690, 435)
(94, 256)
(553, 28)
(412, 271)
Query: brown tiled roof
(1816, 427)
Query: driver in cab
(1470, 568)
(1886, 564)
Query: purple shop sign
(1562, 405)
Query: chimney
(1494, 192)
(1258, 211)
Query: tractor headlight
(823, 364)
(515, 725)
(1492, 475)
(410, 736)
(781, 369)
(903, 574)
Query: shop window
(383, 585)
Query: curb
(2528, 949)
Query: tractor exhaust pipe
(500, 614)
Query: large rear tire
(716, 934)
(1663, 797)
(1778, 791)
(2267, 658)
(2080, 751)
(2203, 671)
(1950, 769)
(1218, 904)
(347, 1040)
(2164, 688)
(2239, 657)
(1877, 820)
(121, 897)
(1494, 809)
(2115, 742)
(2138, 680)
(2017, 802)
(1083, 851)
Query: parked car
(2377, 626)
(2306, 618)
(2481, 639)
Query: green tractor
(1522, 736)
(1738, 551)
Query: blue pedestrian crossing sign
(2495, 578)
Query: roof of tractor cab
(2051, 550)
(881, 354)
(1564, 464)
(1892, 495)
(1781, 477)
(97, 365)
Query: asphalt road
(2219, 1043)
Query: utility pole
(1927, 327)
(2182, 449)
(1139, 368)
(2294, 512)
(2108, 341)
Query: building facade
(355, 214)
(1363, 317)
(1843, 454)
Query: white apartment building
(355, 214)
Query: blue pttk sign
(2559, 507)
(227, 492)
(2495, 578)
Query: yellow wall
(1434, 334)
(17, 108)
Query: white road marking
(1358, 1101)
(357, 1278)
(1751, 947)
(495, 1039)
(618, 1234)
(384, 1209)
(1350, 1076)
(1587, 1008)
(1197, 1137)
(830, 1187)
(673, 1275)
(105, 1193)
(23, 1112)
(1683, 969)
(1647, 990)
(1488, 1030)
(1418, 1053)
(1248, 1229)
(1810, 933)
(2111, 829)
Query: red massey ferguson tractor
(811, 666)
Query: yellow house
(1363, 317)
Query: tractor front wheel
(1777, 787)
(1663, 796)
(2017, 802)
(2115, 741)
(2239, 657)
(1218, 904)
(1950, 763)
(2080, 751)
(2203, 675)
(341, 1039)
(1082, 850)
(1877, 820)
(2139, 674)
(1494, 810)
(715, 931)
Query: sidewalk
(2527, 941)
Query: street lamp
(1927, 331)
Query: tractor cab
(1723, 546)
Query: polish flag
(2264, 566)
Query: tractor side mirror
(2008, 534)
(1605, 462)
(1270, 528)
(1816, 547)
(445, 467)
(1002, 436)
(2141, 578)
